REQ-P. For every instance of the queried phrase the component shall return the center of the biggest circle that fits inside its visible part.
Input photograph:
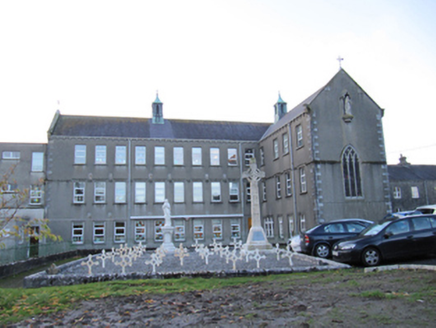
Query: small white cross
(340, 59)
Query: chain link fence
(25, 252)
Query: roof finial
(157, 97)
(340, 59)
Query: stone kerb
(234, 262)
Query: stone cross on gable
(340, 59)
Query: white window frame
(276, 148)
(248, 192)
(264, 191)
(77, 233)
(140, 192)
(140, 155)
(299, 131)
(262, 156)
(80, 154)
(197, 192)
(278, 187)
(179, 230)
(178, 156)
(303, 182)
(215, 192)
(281, 229)
(235, 228)
(119, 232)
(285, 139)
(158, 233)
(291, 225)
(288, 184)
(159, 192)
(37, 162)
(397, 193)
(269, 227)
(179, 192)
(9, 188)
(233, 191)
(11, 154)
(415, 192)
(248, 155)
(232, 156)
(79, 188)
(120, 192)
(35, 195)
(197, 159)
(140, 231)
(198, 229)
(159, 155)
(302, 222)
(120, 155)
(217, 229)
(100, 154)
(214, 156)
(99, 237)
(99, 192)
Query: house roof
(411, 172)
(93, 126)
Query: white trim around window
(120, 192)
(119, 232)
(98, 232)
(80, 154)
(215, 191)
(79, 192)
(99, 192)
(77, 233)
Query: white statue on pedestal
(167, 229)
(166, 207)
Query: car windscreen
(374, 229)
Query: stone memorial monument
(167, 229)
(256, 237)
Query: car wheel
(322, 250)
(371, 257)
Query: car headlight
(347, 246)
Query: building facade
(23, 168)
(107, 177)
(412, 185)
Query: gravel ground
(343, 298)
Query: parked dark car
(319, 240)
(396, 238)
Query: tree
(12, 225)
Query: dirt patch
(346, 298)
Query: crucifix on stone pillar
(256, 237)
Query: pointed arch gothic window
(351, 172)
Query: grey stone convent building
(107, 177)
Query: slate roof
(97, 126)
(292, 114)
(412, 172)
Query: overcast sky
(216, 60)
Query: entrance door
(34, 242)
(249, 223)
